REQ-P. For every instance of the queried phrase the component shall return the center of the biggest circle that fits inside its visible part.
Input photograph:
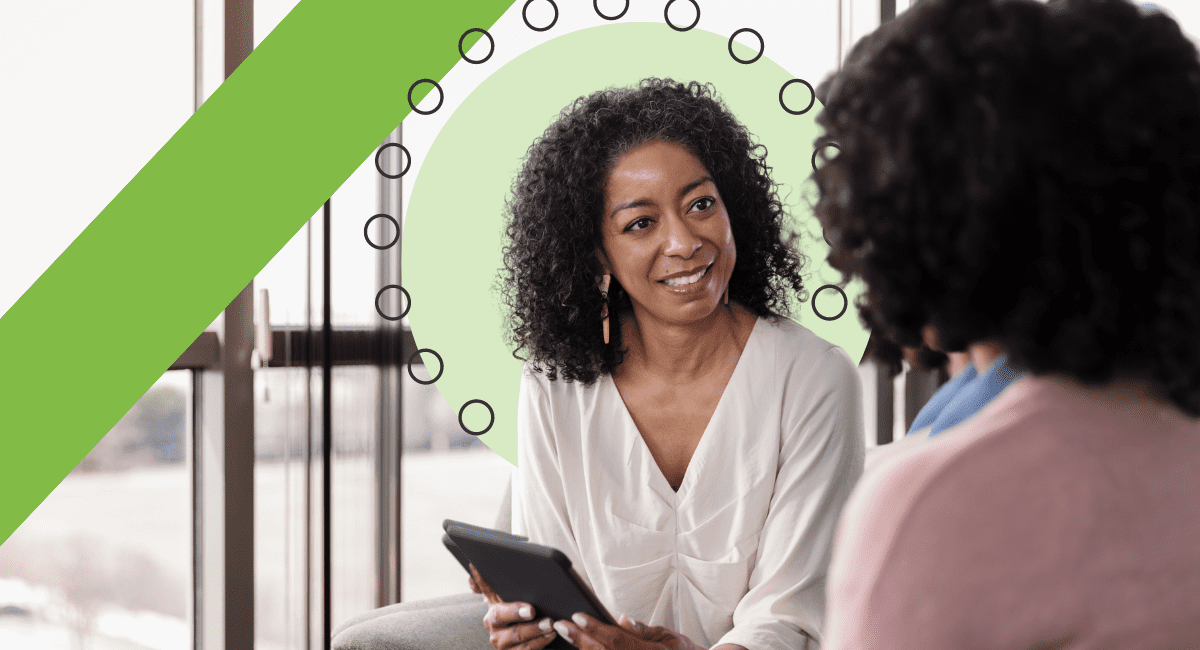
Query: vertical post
(195, 450)
(196, 457)
(309, 354)
(327, 438)
(391, 373)
(239, 404)
(885, 396)
(239, 471)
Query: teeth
(679, 282)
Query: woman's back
(1060, 516)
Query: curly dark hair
(555, 216)
(1028, 175)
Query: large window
(106, 560)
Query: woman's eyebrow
(641, 203)
(694, 184)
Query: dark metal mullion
(887, 10)
(197, 513)
(885, 404)
(309, 344)
(393, 345)
(239, 404)
(326, 434)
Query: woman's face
(667, 238)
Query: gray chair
(449, 623)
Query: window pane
(446, 474)
(105, 561)
(92, 90)
(354, 499)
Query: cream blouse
(739, 553)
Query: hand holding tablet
(538, 601)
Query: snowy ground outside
(106, 550)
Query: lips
(683, 281)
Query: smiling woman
(684, 444)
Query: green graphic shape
(452, 232)
(196, 224)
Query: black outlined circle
(367, 230)
(667, 18)
(596, 6)
(462, 38)
(403, 150)
(407, 302)
(530, 25)
(762, 45)
(845, 301)
(441, 366)
(819, 149)
(491, 421)
(810, 102)
(441, 96)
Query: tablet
(520, 571)
(458, 554)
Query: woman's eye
(703, 204)
(644, 222)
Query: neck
(983, 355)
(674, 351)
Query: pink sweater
(1051, 519)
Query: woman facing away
(1026, 178)
(687, 447)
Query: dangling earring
(726, 299)
(604, 296)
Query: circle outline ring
(441, 366)
(845, 302)
(407, 300)
(490, 412)
(464, 37)
(596, 6)
(681, 29)
(811, 102)
(407, 164)
(762, 46)
(528, 24)
(441, 97)
(367, 229)
(820, 149)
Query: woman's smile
(682, 281)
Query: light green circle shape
(452, 232)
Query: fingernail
(550, 635)
(561, 628)
(526, 612)
(545, 625)
(622, 619)
(579, 620)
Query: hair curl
(1027, 175)
(554, 224)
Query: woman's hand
(511, 625)
(586, 633)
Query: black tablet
(520, 571)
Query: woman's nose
(681, 241)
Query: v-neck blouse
(739, 553)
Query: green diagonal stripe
(202, 218)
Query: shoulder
(945, 518)
(797, 348)
(807, 368)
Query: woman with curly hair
(1024, 179)
(684, 444)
